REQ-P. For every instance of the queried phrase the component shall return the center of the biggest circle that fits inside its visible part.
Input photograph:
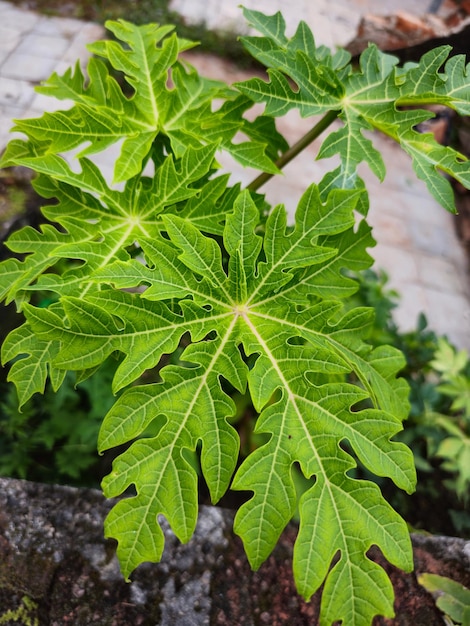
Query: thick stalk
(294, 150)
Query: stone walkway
(33, 46)
(417, 244)
(333, 23)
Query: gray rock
(53, 552)
(56, 568)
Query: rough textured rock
(56, 568)
(409, 36)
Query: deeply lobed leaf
(297, 383)
(104, 113)
(373, 97)
(201, 294)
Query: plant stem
(294, 150)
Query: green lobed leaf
(166, 483)
(297, 383)
(376, 96)
(451, 597)
(318, 88)
(266, 301)
(104, 113)
(194, 287)
(120, 218)
(30, 371)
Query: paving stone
(77, 50)
(7, 116)
(43, 46)
(449, 313)
(400, 265)
(58, 27)
(431, 240)
(9, 39)
(389, 229)
(230, 18)
(424, 207)
(441, 274)
(332, 23)
(28, 67)
(90, 31)
(17, 19)
(41, 103)
(62, 66)
(15, 92)
(413, 301)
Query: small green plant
(437, 427)
(212, 301)
(454, 447)
(25, 614)
(53, 438)
(452, 598)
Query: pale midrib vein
(183, 422)
(353, 95)
(293, 99)
(40, 362)
(329, 415)
(349, 431)
(148, 332)
(87, 287)
(148, 76)
(186, 107)
(108, 258)
(208, 270)
(165, 201)
(104, 194)
(373, 102)
(394, 134)
(197, 295)
(326, 265)
(279, 262)
(291, 398)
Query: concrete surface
(417, 244)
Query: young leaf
(200, 289)
(373, 97)
(30, 372)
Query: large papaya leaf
(193, 284)
(375, 96)
(301, 351)
(105, 113)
